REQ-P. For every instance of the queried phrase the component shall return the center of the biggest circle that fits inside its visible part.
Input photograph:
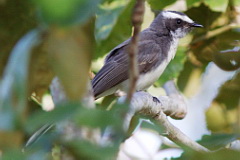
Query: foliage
(43, 39)
(217, 141)
(220, 155)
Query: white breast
(173, 49)
(148, 79)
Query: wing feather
(115, 69)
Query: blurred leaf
(13, 87)
(217, 141)
(174, 68)
(40, 71)
(228, 59)
(102, 118)
(229, 93)
(185, 75)
(236, 2)
(204, 49)
(216, 118)
(10, 139)
(218, 155)
(69, 52)
(199, 14)
(120, 32)
(218, 6)
(37, 154)
(210, 50)
(65, 12)
(193, 3)
(60, 113)
(16, 19)
(159, 5)
(97, 118)
(44, 135)
(86, 150)
(155, 127)
(82, 116)
(108, 1)
(108, 101)
(107, 18)
(13, 154)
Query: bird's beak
(195, 25)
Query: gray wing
(115, 69)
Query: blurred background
(70, 38)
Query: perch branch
(173, 105)
(137, 18)
(176, 135)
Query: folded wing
(115, 69)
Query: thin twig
(137, 18)
(178, 136)
(174, 133)
(216, 32)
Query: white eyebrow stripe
(172, 15)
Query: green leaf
(174, 68)
(236, 2)
(69, 51)
(218, 155)
(14, 27)
(229, 95)
(119, 33)
(13, 87)
(217, 141)
(159, 5)
(227, 59)
(218, 6)
(85, 117)
(102, 118)
(107, 18)
(87, 150)
(97, 118)
(199, 14)
(159, 129)
(65, 12)
(13, 154)
(60, 113)
(193, 3)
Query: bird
(157, 46)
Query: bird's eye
(179, 21)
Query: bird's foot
(156, 100)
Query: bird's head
(177, 23)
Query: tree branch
(216, 32)
(176, 135)
(179, 109)
(137, 18)
(173, 105)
